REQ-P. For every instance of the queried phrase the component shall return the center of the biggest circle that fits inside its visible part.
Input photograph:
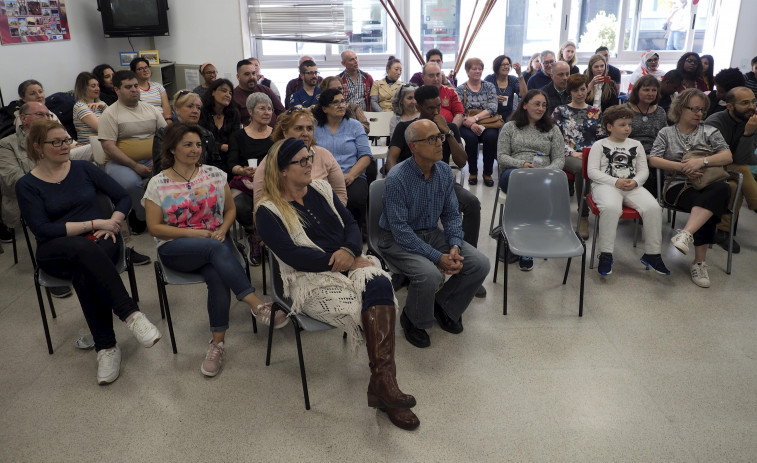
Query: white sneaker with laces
(108, 365)
(213, 359)
(699, 274)
(682, 241)
(145, 332)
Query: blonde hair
(606, 88)
(563, 47)
(182, 98)
(273, 190)
(683, 100)
(286, 121)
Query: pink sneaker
(213, 359)
(264, 316)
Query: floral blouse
(580, 127)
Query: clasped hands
(452, 262)
(106, 228)
(342, 261)
(626, 184)
(693, 167)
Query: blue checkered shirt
(413, 203)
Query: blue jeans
(674, 40)
(218, 264)
(504, 179)
(132, 183)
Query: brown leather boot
(402, 418)
(378, 328)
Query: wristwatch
(450, 133)
(475, 118)
(706, 162)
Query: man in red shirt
(452, 109)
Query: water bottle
(538, 160)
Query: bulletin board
(27, 21)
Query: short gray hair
(429, 64)
(544, 54)
(256, 98)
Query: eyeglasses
(303, 162)
(42, 115)
(432, 139)
(143, 68)
(184, 92)
(695, 110)
(311, 73)
(548, 63)
(210, 72)
(338, 103)
(59, 143)
(692, 60)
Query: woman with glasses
(299, 123)
(250, 144)
(649, 66)
(690, 66)
(58, 200)
(209, 73)
(404, 106)
(188, 107)
(189, 212)
(353, 110)
(479, 99)
(220, 116)
(88, 107)
(530, 140)
(383, 90)
(150, 92)
(317, 244)
(346, 139)
(705, 206)
(507, 86)
(104, 74)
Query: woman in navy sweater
(58, 200)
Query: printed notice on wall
(27, 21)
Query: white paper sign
(191, 77)
(252, 163)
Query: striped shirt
(83, 131)
(152, 94)
(412, 202)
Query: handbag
(710, 174)
(491, 122)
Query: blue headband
(288, 150)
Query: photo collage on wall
(27, 21)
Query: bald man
(356, 84)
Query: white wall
(745, 44)
(56, 64)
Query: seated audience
(345, 138)
(209, 73)
(249, 144)
(617, 167)
(602, 91)
(533, 65)
(567, 53)
(556, 89)
(356, 84)
(530, 140)
(648, 119)
(507, 86)
(150, 92)
(353, 110)
(479, 102)
(581, 126)
(247, 76)
(404, 106)
(751, 77)
(435, 56)
(88, 107)
(452, 108)
(706, 206)
(725, 81)
(690, 66)
(188, 107)
(669, 88)
(708, 71)
(648, 66)
(104, 74)
(300, 124)
(126, 130)
(262, 80)
(196, 239)
(220, 115)
(383, 90)
(418, 195)
(307, 95)
(738, 125)
(58, 200)
(317, 244)
(543, 76)
(295, 84)
(612, 71)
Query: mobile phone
(606, 79)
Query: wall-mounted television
(134, 18)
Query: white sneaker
(682, 240)
(108, 365)
(699, 274)
(145, 332)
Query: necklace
(188, 180)
(685, 139)
(644, 117)
(49, 174)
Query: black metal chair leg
(504, 290)
(302, 365)
(496, 258)
(567, 269)
(50, 300)
(15, 249)
(270, 335)
(44, 319)
(583, 274)
(168, 320)
(159, 282)
(263, 253)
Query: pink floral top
(198, 205)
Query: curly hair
(324, 100)
(286, 121)
(399, 96)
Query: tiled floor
(656, 370)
